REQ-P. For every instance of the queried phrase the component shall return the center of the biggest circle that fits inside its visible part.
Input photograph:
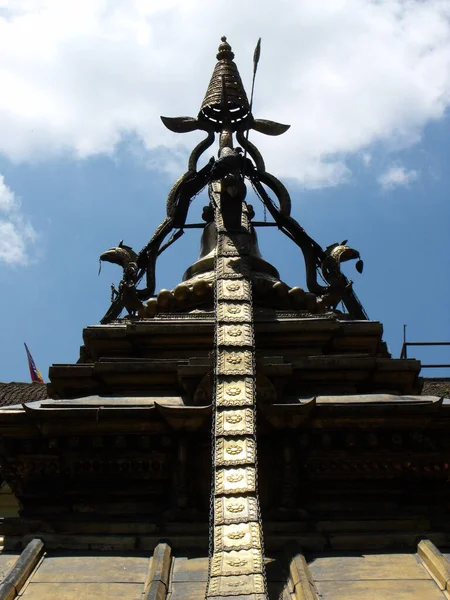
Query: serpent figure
(127, 294)
(331, 269)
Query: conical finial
(225, 100)
(225, 52)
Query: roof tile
(19, 392)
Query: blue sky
(85, 160)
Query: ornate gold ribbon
(237, 561)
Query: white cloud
(366, 159)
(397, 176)
(8, 201)
(16, 234)
(76, 76)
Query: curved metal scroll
(312, 252)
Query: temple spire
(225, 100)
(227, 112)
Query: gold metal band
(236, 586)
(237, 562)
(235, 451)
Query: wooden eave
(161, 415)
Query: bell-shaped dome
(208, 245)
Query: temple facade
(234, 437)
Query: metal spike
(257, 54)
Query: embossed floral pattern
(235, 477)
(234, 449)
(237, 562)
(235, 507)
(233, 286)
(235, 331)
(233, 390)
(233, 418)
(234, 310)
(234, 358)
(236, 535)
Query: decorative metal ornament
(235, 481)
(225, 98)
(235, 509)
(235, 451)
(235, 422)
(232, 267)
(241, 536)
(232, 391)
(226, 111)
(236, 586)
(235, 362)
(234, 313)
(238, 334)
(233, 290)
(237, 562)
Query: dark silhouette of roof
(19, 392)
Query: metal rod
(427, 343)
(430, 366)
(254, 223)
(403, 353)
(256, 57)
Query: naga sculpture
(127, 294)
(331, 270)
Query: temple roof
(436, 386)
(19, 392)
